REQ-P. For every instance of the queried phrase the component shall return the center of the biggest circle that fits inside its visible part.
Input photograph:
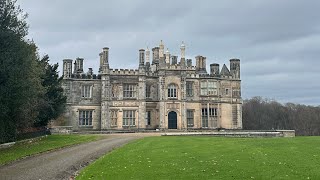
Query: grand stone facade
(161, 94)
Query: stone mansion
(163, 93)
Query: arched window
(172, 91)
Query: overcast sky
(278, 41)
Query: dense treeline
(265, 114)
(30, 89)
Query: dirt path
(63, 163)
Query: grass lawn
(27, 148)
(210, 158)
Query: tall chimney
(174, 60)
(67, 68)
(235, 68)
(79, 65)
(155, 55)
(141, 57)
(147, 55)
(214, 69)
(105, 55)
(167, 56)
(189, 62)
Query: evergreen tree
(20, 83)
(53, 102)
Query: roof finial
(182, 44)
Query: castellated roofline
(124, 71)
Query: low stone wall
(61, 130)
(278, 133)
(7, 145)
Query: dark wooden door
(172, 120)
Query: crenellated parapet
(124, 72)
(85, 76)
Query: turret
(183, 50)
(214, 69)
(67, 68)
(235, 68)
(161, 50)
(183, 60)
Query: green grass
(38, 145)
(210, 158)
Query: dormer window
(172, 91)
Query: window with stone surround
(85, 117)
(190, 117)
(148, 91)
(129, 118)
(172, 91)
(208, 88)
(86, 91)
(213, 114)
(204, 117)
(129, 91)
(114, 117)
(148, 118)
(189, 88)
(236, 93)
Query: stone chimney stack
(155, 55)
(214, 69)
(189, 62)
(79, 63)
(148, 55)
(90, 71)
(101, 61)
(174, 60)
(235, 68)
(105, 60)
(201, 64)
(67, 68)
(75, 67)
(141, 57)
(167, 56)
(105, 55)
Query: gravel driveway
(64, 163)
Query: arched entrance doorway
(172, 120)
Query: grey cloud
(277, 41)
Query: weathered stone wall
(108, 94)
